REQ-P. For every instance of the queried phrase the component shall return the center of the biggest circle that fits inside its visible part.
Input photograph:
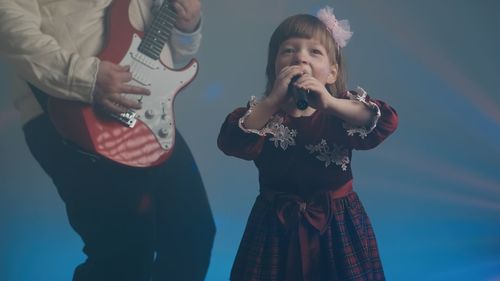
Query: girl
(307, 223)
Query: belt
(305, 220)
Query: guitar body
(148, 138)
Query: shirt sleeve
(234, 141)
(383, 123)
(37, 56)
(181, 46)
(185, 45)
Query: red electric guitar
(141, 138)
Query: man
(137, 224)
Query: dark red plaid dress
(307, 224)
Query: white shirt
(53, 44)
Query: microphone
(300, 95)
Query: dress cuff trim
(241, 121)
(282, 136)
(361, 95)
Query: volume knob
(149, 114)
(163, 132)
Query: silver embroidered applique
(339, 155)
(282, 135)
(363, 132)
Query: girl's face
(308, 53)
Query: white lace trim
(360, 95)
(282, 135)
(339, 155)
(241, 122)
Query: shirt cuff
(186, 44)
(83, 79)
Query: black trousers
(137, 224)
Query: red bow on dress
(305, 221)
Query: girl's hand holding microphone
(279, 94)
(318, 96)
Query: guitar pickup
(140, 78)
(126, 118)
(145, 60)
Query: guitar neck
(159, 32)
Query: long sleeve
(39, 58)
(234, 141)
(185, 45)
(384, 122)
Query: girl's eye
(317, 51)
(287, 50)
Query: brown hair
(305, 26)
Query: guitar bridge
(126, 118)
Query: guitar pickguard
(164, 83)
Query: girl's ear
(332, 77)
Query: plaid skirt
(347, 248)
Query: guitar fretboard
(159, 32)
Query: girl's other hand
(317, 94)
